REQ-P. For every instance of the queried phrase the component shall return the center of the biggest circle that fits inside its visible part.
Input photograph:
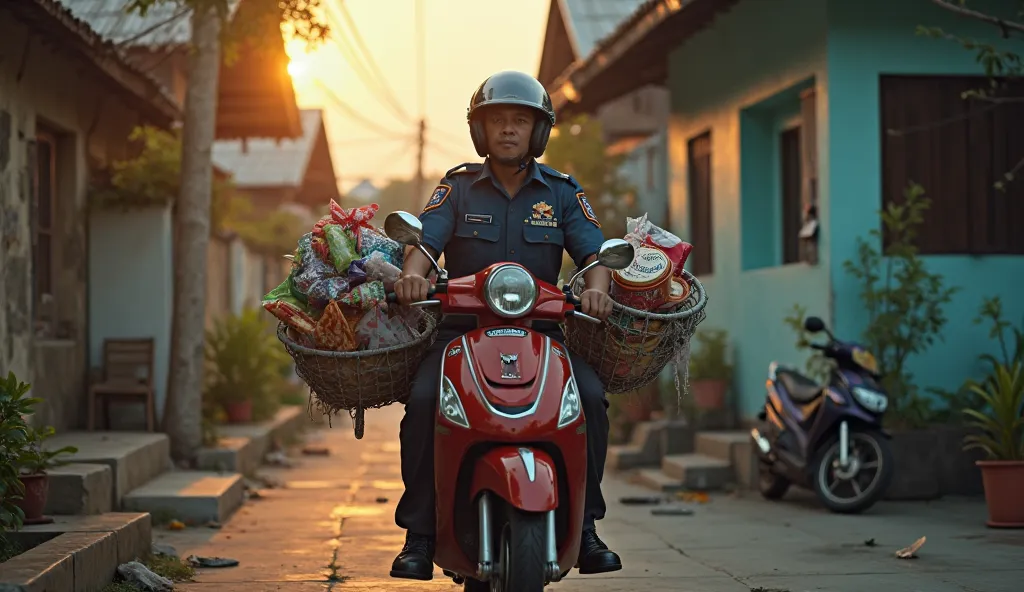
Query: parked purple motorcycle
(828, 438)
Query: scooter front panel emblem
(510, 367)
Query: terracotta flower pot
(640, 406)
(1004, 482)
(238, 411)
(37, 487)
(709, 394)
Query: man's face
(508, 129)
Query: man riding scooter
(511, 209)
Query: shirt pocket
(539, 235)
(485, 232)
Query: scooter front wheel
(862, 483)
(522, 559)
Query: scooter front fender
(526, 478)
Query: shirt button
(513, 251)
(545, 237)
(476, 233)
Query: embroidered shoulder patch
(438, 196)
(588, 211)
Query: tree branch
(1004, 26)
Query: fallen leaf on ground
(911, 551)
(696, 497)
(175, 525)
(870, 543)
(382, 500)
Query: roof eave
(634, 55)
(152, 97)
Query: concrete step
(697, 471)
(737, 448)
(194, 497)
(657, 480)
(241, 448)
(80, 488)
(622, 457)
(133, 457)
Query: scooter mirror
(814, 324)
(403, 228)
(615, 253)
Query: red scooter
(510, 445)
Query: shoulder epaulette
(464, 168)
(550, 171)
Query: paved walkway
(339, 509)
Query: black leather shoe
(595, 557)
(416, 561)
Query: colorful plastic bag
(333, 331)
(289, 310)
(641, 232)
(379, 268)
(324, 291)
(376, 330)
(372, 241)
(365, 296)
(342, 245)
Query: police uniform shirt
(474, 221)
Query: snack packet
(342, 245)
(289, 310)
(641, 232)
(365, 296)
(333, 331)
(379, 268)
(376, 330)
(327, 289)
(371, 241)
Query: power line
(355, 114)
(389, 93)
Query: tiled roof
(268, 163)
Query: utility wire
(382, 83)
(353, 114)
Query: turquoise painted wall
(752, 53)
(867, 38)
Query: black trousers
(415, 511)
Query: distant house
(782, 109)
(256, 98)
(275, 173)
(68, 101)
(364, 192)
(634, 123)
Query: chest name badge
(478, 219)
(543, 215)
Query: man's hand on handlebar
(412, 288)
(596, 303)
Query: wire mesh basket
(360, 380)
(632, 347)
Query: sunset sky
(466, 40)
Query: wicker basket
(632, 347)
(357, 381)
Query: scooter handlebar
(575, 302)
(392, 298)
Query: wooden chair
(127, 376)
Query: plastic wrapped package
(377, 330)
(371, 241)
(312, 270)
(324, 291)
(379, 268)
(289, 310)
(641, 232)
(342, 245)
(365, 296)
(357, 272)
(333, 331)
(353, 218)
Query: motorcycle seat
(801, 389)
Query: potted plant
(33, 463)
(243, 366)
(1001, 438)
(15, 404)
(710, 371)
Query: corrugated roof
(77, 35)
(164, 24)
(268, 163)
(590, 21)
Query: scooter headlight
(873, 401)
(510, 291)
(569, 411)
(450, 405)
